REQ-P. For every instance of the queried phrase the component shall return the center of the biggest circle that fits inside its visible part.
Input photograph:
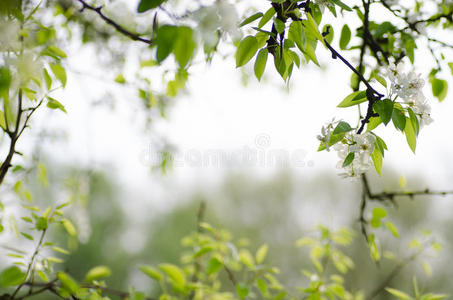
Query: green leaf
(120, 79)
(373, 123)
(392, 228)
(398, 294)
(349, 159)
(47, 78)
(384, 108)
(165, 38)
(310, 53)
(5, 80)
(410, 46)
(266, 17)
(54, 52)
(242, 290)
(295, 33)
(174, 273)
(214, 266)
(379, 212)
(279, 25)
(151, 272)
(203, 251)
(69, 284)
(11, 276)
(342, 5)
(69, 227)
(313, 27)
(184, 46)
(59, 72)
(345, 37)
(145, 5)
(414, 120)
(246, 50)
(374, 250)
(334, 138)
(261, 254)
(439, 88)
(97, 273)
(260, 63)
(398, 118)
(55, 104)
(329, 37)
(2, 120)
(41, 224)
(27, 236)
(450, 65)
(342, 127)
(411, 135)
(376, 156)
(61, 250)
(353, 99)
(251, 19)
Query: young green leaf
(398, 294)
(349, 159)
(342, 127)
(260, 63)
(146, 5)
(11, 276)
(251, 19)
(439, 88)
(384, 108)
(97, 273)
(151, 272)
(398, 118)
(376, 156)
(214, 266)
(353, 99)
(246, 50)
(266, 17)
(279, 25)
(414, 120)
(242, 290)
(55, 104)
(59, 72)
(345, 37)
(174, 273)
(342, 5)
(411, 135)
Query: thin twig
(396, 270)
(119, 28)
(32, 262)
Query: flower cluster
(221, 15)
(326, 133)
(9, 35)
(408, 87)
(358, 148)
(323, 4)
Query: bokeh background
(245, 148)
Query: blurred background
(247, 149)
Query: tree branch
(119, 28)
(396, 270)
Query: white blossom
(28, 66)
(408, 87)
(326, 132)
(221, 15)
(323, 4)
(362, 145)
(9, 35)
